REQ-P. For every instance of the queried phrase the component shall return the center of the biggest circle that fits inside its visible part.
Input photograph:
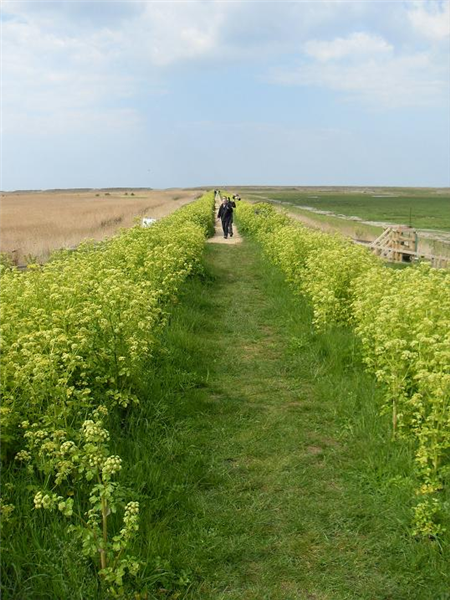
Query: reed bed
(33, 224)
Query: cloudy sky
(185, 93)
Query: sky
(192, 93)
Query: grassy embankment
(354, 229)
(263, 468)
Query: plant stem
(394, 419)
(105, 534)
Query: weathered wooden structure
(399, 243)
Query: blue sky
(186, 93)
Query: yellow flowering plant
(76, 336)
(82, 460)
(402, 318)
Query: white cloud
(355, 45)
(431, 19)
(393, 82)
(94, 58)
(164, 33)
(55, 83)
(367, 68)
(89, 68)
(172, 33)
(58, 76)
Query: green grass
(425, 209)
(354, 229)
(314, 497)
(262, 466)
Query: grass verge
(262, 466)
(301, 492)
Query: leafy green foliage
(403, 320)
(76, 337)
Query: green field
(423, 209)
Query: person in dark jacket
(232, 204)
(225, 214)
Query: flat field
(33, 224)
(420, 208)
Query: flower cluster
(111, 466)
(88, 463)
(6, 511)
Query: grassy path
(288, 486)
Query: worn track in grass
(297, 500)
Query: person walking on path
(232, 204)
(225, 214)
